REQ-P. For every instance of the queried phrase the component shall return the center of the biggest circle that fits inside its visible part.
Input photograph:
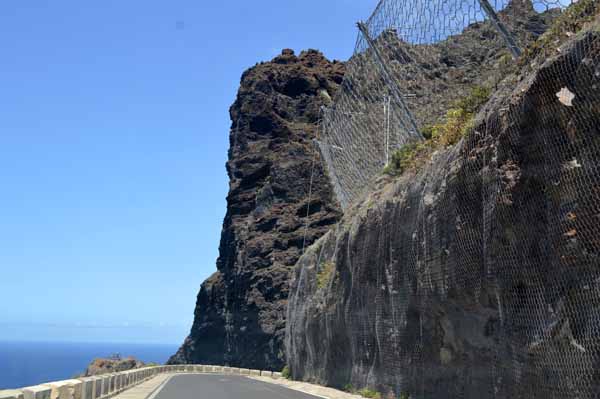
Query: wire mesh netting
(485, 281)
(412, 61)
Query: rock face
(240, 310)
(433, 77)
(112, 365)
(477, 276)
(439, 74)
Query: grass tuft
(458, 122)
(326, 270)
(349, 388)
(369, 393)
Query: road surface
(211, 386)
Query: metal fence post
(413, 130)
(506, 35)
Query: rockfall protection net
(412, 61)
(526, 239)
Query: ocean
(30, 363)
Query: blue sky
(113, 138)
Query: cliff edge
(114, 364)
(240, 310)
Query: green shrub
(286, 373)
(403, 158)
(365, 392)
(474, 101)
(369, 393)
(506, 60)
(326, 270)
(428, 131)
(459, 120)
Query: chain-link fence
(480, 277)
(412, 61)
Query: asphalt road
(209, 386)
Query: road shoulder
(146, 388)
(311, 389)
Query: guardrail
(107, 385)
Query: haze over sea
(30, 363)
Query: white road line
(160, 387)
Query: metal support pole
(385, 128)
(386, 114)
(506, 35)
(413, 130)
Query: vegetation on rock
(364, 392)
(459, 120)
(113, 364)
(326, 271)
(369, 393)
(286, 373)
(572, 20)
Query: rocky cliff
(477, 273)
(240, 310)
(438, 74)
(113, 364)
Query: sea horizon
(31, 362)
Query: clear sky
(113, 138)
